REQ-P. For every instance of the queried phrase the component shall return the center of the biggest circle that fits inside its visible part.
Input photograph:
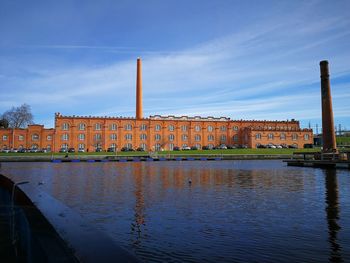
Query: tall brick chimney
(139, 114)
(328, 134)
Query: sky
(238, 59)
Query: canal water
(214, 211)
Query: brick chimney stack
(139, 114)
(328, 134)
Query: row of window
(157, 137)
(143, 127)
(282, 136)
(35, 137)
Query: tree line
(16, 117)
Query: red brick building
(153, 133)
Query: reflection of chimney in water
(328, 135)
(332, 210)
(139, 114)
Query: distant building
(153, 133)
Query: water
(225, 211)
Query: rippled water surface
(224, 211)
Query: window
(157, 147)
(4, 137)
(210, 146)
(65, 126)
(210, 138)
(184, 145)
(48, 147)
(34, 147)
(294, 136)
(97, 137)
(270, 136)
(128, 136)
(223, 138)
(157, 137)
(20, 137)
(64, 146)
(184, 137)
(157, 127)
(81, 146)
(81, 126)
(197, 128)
(35, 137)
(223, 128)
(113, 127)
(197, 137)
(258, 136)
(98, 126)
(113, 146)
(113, 136)
(198, 146)
(81, 137)
(65, 137)
(171, 137)
(210, 128)
(235, 128)
(171, 146)
(143, 127)
(143, 146)
(283, 136)
(235, 138)
(184, 128)
(171, 127)
(306, 137)
(128, 145)
(49, 137)
(128, 127)
(143, 137)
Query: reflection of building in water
(332, 210)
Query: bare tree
(18, 117)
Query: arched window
(197, 137)
(65, 126)
(283, 136)
(128, 136)
(294, 136)
(210, 128)
(258, 136)
(64, 146)
(128, 127)
(157, 127)
(20, 137)
(49, 137)
(235, 138)
(306, 137)
(98, 126)
(210, 137)
(197, 128)
(157, 137)
(81, 137)
(65, 137)
(171, 127)
(143, 137)
(184, 128)
(210, 146)
(143, 146)
(198, 146)
(171, 146)
(113, 136)
(157, 147)
(128, 146)
(270, 136)
(34, 147)
(143, 127)
(82, 126)
(113, 127)
(113, 146)
(222, 128)
(171, 137)
(235, 128)
(223, 138)
(81, 146)
(184, 137)
(97, 136)
(35, 137)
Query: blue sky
(240, 59)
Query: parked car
(205, 148)
(98, 150)
(111, 149)
(284, 145)
(140, 149)
(71, 150)
(176, 148)
(33, 150)
(194, 148)
(185, 148)
(43, 150)
(63, 150)
(81, 150)
(5, 150)
(293, 146)
(261, 146)
(271, 146)
(222, 147)
(279, 146)
(22, 150)
(14, 150)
